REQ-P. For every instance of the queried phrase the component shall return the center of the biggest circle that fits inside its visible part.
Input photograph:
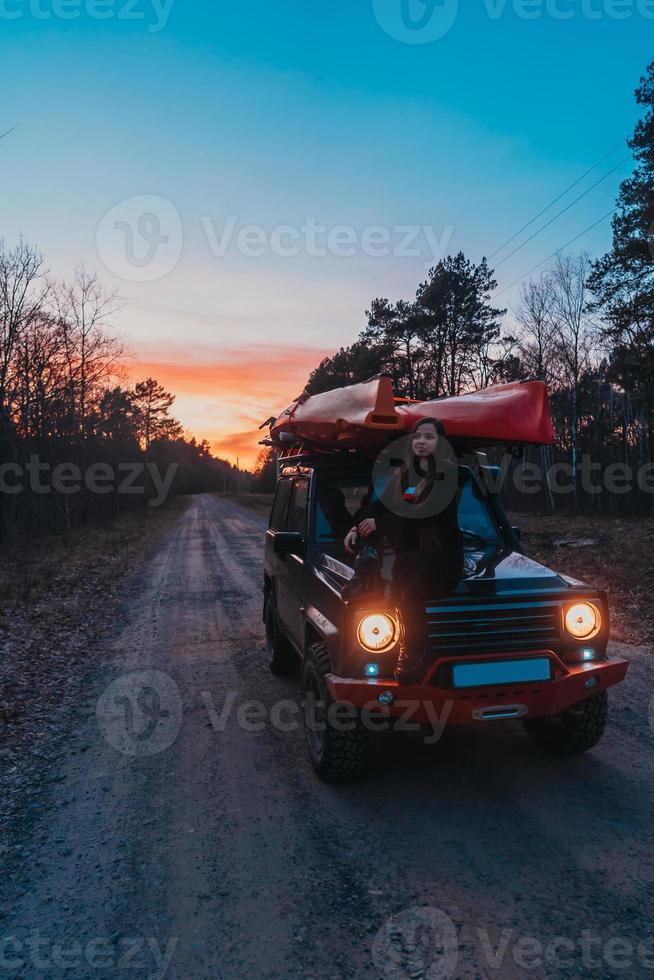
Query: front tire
(282, 658)
(336, 755)
(575, 730)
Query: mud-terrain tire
(282, 658)
(337, 756)
(575, 730)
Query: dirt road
(186, 836)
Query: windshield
(340, 501)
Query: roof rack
(300, 453)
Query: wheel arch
(318, 629)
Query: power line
(557, 199)
(2, 135)
(561, 213)
(554, 254)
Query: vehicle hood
(505, 571)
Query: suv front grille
(490, 626)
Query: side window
(280, 505)
(337, 503)
(297, 516)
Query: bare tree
(574, 331)
(93, 356)
(23, 291)
(535, 316)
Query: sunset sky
(181, 127)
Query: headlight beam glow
(377, 632)
(583, 621)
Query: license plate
(501, 672)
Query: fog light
(372, 670)
(589, 654)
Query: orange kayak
(368, 415)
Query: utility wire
(557, 199)
(561, 213)
(554, 254)
(2, 135)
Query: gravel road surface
(183, 833)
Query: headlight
(377, 633)
(583, 620)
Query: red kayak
(367, 415)
(518, 412)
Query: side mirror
(287, 543)
(517, 532)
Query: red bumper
(447, 706)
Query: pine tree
(623, 280)
(153, 403)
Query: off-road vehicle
(514, 640)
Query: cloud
(242, 445)
(257, 371)
(224, 394)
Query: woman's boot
(367, 575)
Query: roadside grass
(615, 554)
(38, 569)
(59, 600)
(259, 503)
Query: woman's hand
(367, 527)
(351, 541)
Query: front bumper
(425, 703)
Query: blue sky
(277, 114)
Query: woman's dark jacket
(436, 537)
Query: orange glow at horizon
(224, 395)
